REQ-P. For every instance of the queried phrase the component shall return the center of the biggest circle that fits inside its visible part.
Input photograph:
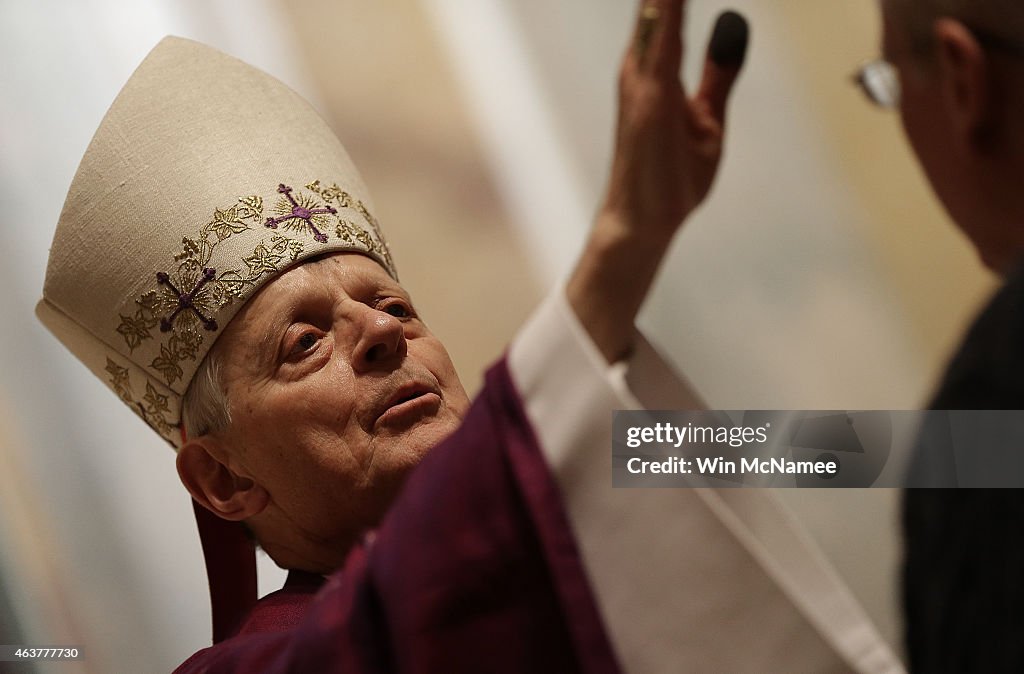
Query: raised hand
(668, 144)
(667, 150)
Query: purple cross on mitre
(300, 212)
(185, 300)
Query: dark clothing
(963, 591)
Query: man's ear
(205, 471)
(964, 71)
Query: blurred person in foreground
(955, 71)
(253, 317)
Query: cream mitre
(206, 179)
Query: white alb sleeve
(686, 579)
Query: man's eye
(304, 343)
(397, 309)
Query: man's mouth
(408, 404)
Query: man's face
(337, 389)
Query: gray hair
(205, 408)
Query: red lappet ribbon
(230, 568)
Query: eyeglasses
(880, 82)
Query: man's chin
(429, 432)
(405, 453)
(402, 448)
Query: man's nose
(381, 341)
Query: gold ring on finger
(648, 21)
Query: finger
(666, 50)
(726, 52)
(643, 31)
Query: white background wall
(124, 572)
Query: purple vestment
(473, 569)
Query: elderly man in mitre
(218, 264)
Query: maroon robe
(473, 569)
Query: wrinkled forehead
(315, 280)
(334, 269)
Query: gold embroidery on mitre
(232, 220)
(120, 382)
(301, 213)
(350, 232)
(186, 299)
(153, 408)
(156, 410)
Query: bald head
(1002, 17)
